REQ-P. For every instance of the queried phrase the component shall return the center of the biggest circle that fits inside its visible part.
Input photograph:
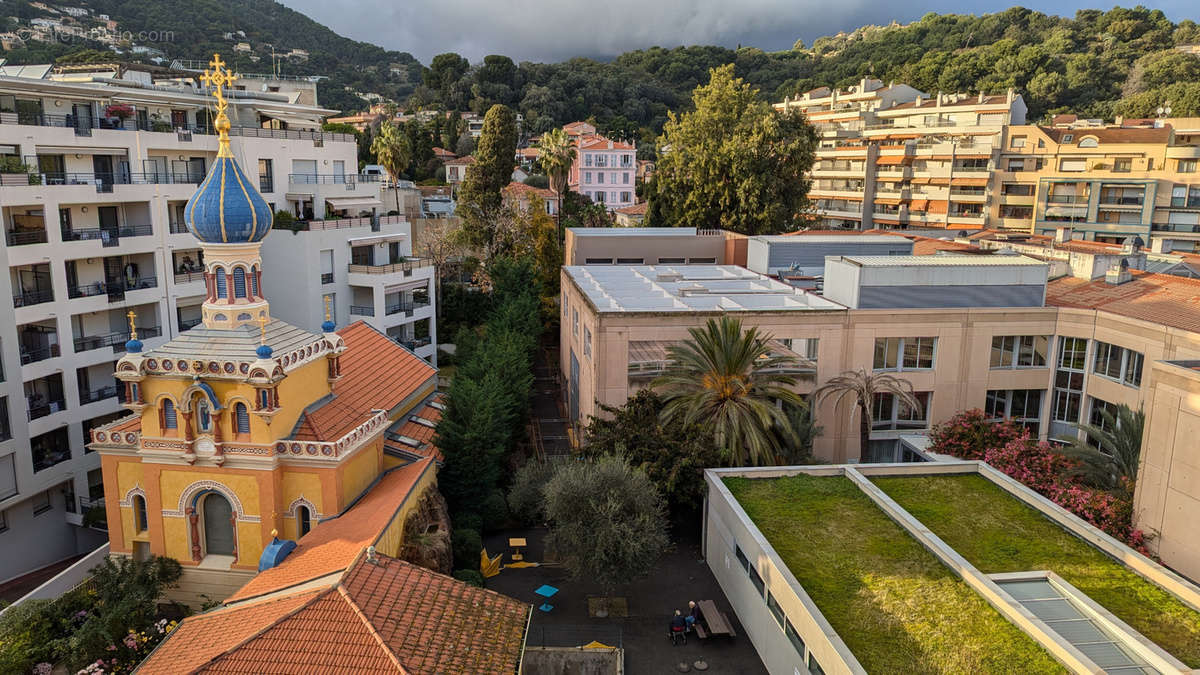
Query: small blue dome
(226, 208)
(274, 553)
(264, 351)
(133, 346)
(328, 326)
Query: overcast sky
(555, 30)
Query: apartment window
(1122, 165)
(241, 418)
(1017, 142)
(601, 160)
(1072, 164)
(625, 197)
(741, 557)
(41, 503)
(904, 353)
(600, 177)
(631, 261)
(575, 322)
(1068, 380)
(1013, 211)
(1067, 138)
(326, 256)
(890, 412)
(1023, 406)
(600, 197)
(814, 668)
(776, 610)
(266, 175)
(598, 261)
(794, 637)
(141, 520)
(1118, 363)
(1099, 407)
(1016, 164)
(587, 342)
(756, 579)
(8, 476)
(587, 160)
(1019, 351)
(625, 178)
(1017, 189)
(587, 176)
(1187, 166)
(3, 521)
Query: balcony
(115, 290)
(348, 179)
(28, 298)
(93, 395)
(415, 344)
(362, 310)
(104, 182)
(34, 354)
(84, 126)
(185, 324)
(40, 407)
(93, 513)
(110, 236)
(402, 306)
(406, 267)
(1081, 200)
(189, 277)
(22, 237)
(1121, 201)
(178, 228)
(115, 340)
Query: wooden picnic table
(715, 621)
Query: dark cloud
(537, 30)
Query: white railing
(65, 580)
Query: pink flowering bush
(1007, 448)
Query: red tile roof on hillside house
(333, 543)
(462, 161)
(597, 142)
(381, 615)
(519, 190)
(1110, 134)
(931, 246)
(1158, 298)
(638, 209)
(444, 154)
(377, 374)
(412, 436)
(528, 153)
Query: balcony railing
(116, 340)
(84, 126)
(39, 354)
(971, 169)
(178, 228)
(23, 237)
(405, 267)
(188, 277)
(266, 184)
(415, 344)
(399, 307)
(333, 178)
(114, 288)
(185, 324)
(40, 407)
(108, 235)
(91, 396)
(1066, 199)
(94, 514)
(1121, 201)
(362, 310)
(27, 298)
(1174, 227)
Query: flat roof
(869, 526)
(633, 231)
(689, 288)
(832, 238)
(946, 260)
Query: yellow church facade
(245, 432)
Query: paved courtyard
(680, 576)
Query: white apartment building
(95, 173)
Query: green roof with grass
(894, 604)
(997, 533)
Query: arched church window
(254, 281)
(141, 522)
(303, 520)
(264, 399)
(239, 282)
(169, 415)
(222, 283)
(242, 418)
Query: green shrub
(526, 497)
(284, 220)
(467, 520)
(466, 544)
(473, 577)
(495, 511)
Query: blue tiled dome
(226, 208)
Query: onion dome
(134, 346)
(227, 209)
(264, 351)
(328, 326)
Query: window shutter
(243, 418)
(222, 284)
(239, 282)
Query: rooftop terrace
(689, 288)
(944, 568)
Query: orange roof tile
(377, 374)
(1158, 298)
(598, 142)
(515, 189)
(469, 159)
(638, 209)
(930, 246)
(203, 637)
(422, 433)
(332, 545)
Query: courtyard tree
(728, 382)
(1107, 455)
(608, 523)
(859, 388)
(733, 162)
(393, 152)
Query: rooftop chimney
(981, 96)
(1062, 234)
(1160, 246)
(1118, 274)
(1009, 97)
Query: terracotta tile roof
(1110, 134)
(528, 153)
(931, 246)
(638, 209)
(377, 374)
(421, 431)
(469, 159)
(200, 638)
(1158, 298)
(384, 615)
(444, 154)
(515, 189)
(598, 142)
(799, 233)
(332, 545)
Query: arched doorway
(218, 525)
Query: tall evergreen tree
(479, 197)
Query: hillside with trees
(1097, 63)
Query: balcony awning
(939, 181)
(920, 181)
(79, 150)
(353, 202)
(299, 196)
(376, 239)
(918, 205)
(936, 206)
(973, 155)
(890, 160)
(973, 182)
(292, 120)
(903, 137)
(885, 221)
(890, 202)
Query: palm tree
(1110, 460)
(556, 154)
(392, 152)
(728, 382)
(860, 387)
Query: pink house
(605, 170)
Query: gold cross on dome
(262, 330)
(132, 325)
(218, 77)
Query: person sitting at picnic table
(693, 613)
(678, 623)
